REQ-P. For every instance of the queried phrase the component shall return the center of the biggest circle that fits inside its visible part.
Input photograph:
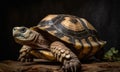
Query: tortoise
(59, 37)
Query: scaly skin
(27, 54)
(35, 45)
(66, 56)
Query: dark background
(103, 14)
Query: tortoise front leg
(65, 56)
(27, 54)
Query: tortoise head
(24, 35)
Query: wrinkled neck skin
(39, 42)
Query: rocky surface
(46, 66)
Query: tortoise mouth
(23, 35)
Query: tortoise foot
(72, 65)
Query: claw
(75, 69)
(67, 66)
(22, 55)
(71, 66)
(72, 69)
(25, 57)
(22, 59)
(63, 68)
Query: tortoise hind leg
(64, 55)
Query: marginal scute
(86, 46)
(89, 26)
(94, 44)
(78, 45)
(101, 43)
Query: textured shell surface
(73, 30)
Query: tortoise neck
(40, 42)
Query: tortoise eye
(23, 30)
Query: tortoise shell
(73, 30)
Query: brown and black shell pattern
(73, 30)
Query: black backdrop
(103, 14)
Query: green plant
(112, 55)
